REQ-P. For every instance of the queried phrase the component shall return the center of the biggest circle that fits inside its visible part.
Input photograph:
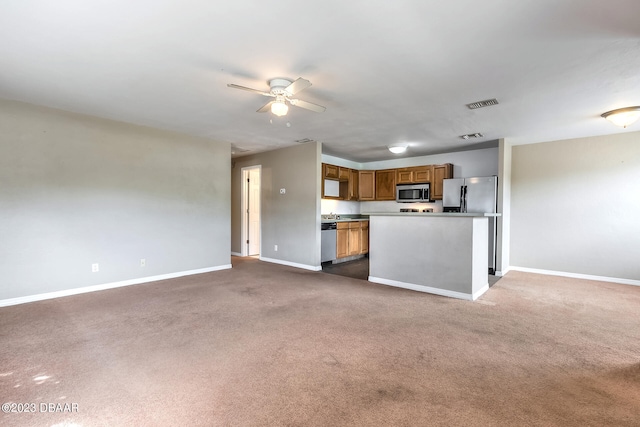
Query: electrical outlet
(95, 268)
(275, 248)
(283, 190)
(143, 262)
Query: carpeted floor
(264, 344)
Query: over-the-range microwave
(412, 193)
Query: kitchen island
(439, 253)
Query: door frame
(244, 234)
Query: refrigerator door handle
(462, 187)
(463, 204)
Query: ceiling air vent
(480, 104)
(472, 135)
(303, 140)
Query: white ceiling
(395, 71)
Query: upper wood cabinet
(343, 174)
(412, 175)
(422, 174)
(371, 185)
(366, 185)
(404, 176)
(440, 173)
(386, 184)
(344, 179)
(330, 171)
(353, 190)
(337, 173)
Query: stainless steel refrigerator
(477, 195)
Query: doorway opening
(251, 231)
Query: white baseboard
(104, 286)
(292, 264)
(236, 254)
(577, 275)
(429, 289)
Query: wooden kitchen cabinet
(404, 176)
(352, 238)
(422, 174)
(413, 175)
(440, 173)
(342, 240)
(386, 184)
(334, 172)
(345, 179)
(371, 185)
(364, 237)
(343, 174)
(330, 171)
(352, 185)
(366, 185)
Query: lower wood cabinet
(342, 240)
(364, 237)
(352, 238)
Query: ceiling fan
(282, 90)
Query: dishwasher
(328, 231)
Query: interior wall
(291, 220)
(575, 204)
(503, 229)
(78, 190)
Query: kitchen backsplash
(343, 207)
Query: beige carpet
(264, 344)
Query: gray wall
(503, 238)
(575, 204)
(76, 190)
(291, 220)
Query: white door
(253, 220)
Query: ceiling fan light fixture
(623, 117)
(398, 148)
(279, 108)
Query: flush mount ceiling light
(623, 117)
(398, 148)
(278, 107)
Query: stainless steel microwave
(412, 193)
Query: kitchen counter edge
(434, 214)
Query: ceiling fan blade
(307, 105)
(297, 86)
(266, 107)
(249, 89)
